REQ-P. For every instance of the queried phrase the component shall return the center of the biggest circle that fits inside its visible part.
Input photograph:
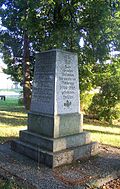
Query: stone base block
(55, 126)
(55, 144)
(54, 159)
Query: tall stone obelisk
(55, 135)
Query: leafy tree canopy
(60, 24)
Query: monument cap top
(57, 50)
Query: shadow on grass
(102, 132)
(7, 139)
(99, 123)
(13, 121)
(14, 116)
(13, 109)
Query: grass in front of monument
(103, 132)
(12, 119)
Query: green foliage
(85, 101)
(9, 184)
(20, 100)
(105, 104)
(59, 24)
(103, 110)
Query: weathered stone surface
(56, 83)
(54, 126)
(56, 144)
(44, 83)
(41, 124)
(73, 154)
(66, 83)
(33, 152)
(57, 158)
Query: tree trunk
(26, 73)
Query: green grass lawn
(103, 133)
(13, 118)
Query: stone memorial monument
(55, 135)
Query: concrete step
(55, 144)
(57, 158)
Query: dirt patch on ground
(109, 151)
(113, 184)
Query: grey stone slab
(72, 154)
(57, 158)
(44, 83)
(66, 83)
(36, 140)
(41, 124)
(56, 144)
(67, 124)
(85, 151)
(71, 141)
(33, 152)
(56, 83)
(54, 126)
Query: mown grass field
(103, 132)
(14, 118)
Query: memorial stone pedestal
(55, 135)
